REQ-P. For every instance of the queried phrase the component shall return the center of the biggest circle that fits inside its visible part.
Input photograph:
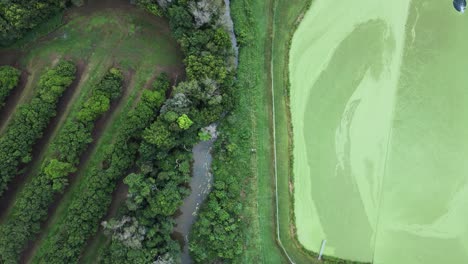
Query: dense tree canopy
(9, 78)
(19, 16)
(31, 119)
(33, 202)
(82, 217)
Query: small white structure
(322, 248)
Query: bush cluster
(31, 119)
(156, 191)
(9, 78)
(32, 203)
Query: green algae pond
(379, 108)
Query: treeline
(9, 79)
(142, 233)
(32, 203)
(19, 16)
(31, 119)
(89, 204)
(218, 235)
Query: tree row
(9, 79)
(90, 203)
(32, 203)
(31, 119)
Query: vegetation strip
(30, 121)
(31, 205)
(90, 203)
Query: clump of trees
(157, 188)
(89, 205)
(19, 16)
(9, 78)
(31, 119)
(32, 203)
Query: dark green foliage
(19, 16)
(157, 190)
(72, 140)
(30, 121)
(155, 194)
(81, 220)
(217, 235)
(9, 78)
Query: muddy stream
(202, 178)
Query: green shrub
(9, 78)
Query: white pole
(322, 248)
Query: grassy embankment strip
(78, 218)
(251, 20)
(9, 79)
(30, 121)
(32, 203)
(287, 16)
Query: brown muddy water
(200, 186)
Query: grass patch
(251, 19)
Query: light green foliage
(206, 66)
(58, 171)
(184, 122)
(159, 135)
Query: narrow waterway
(202, 178)
(200, 186)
